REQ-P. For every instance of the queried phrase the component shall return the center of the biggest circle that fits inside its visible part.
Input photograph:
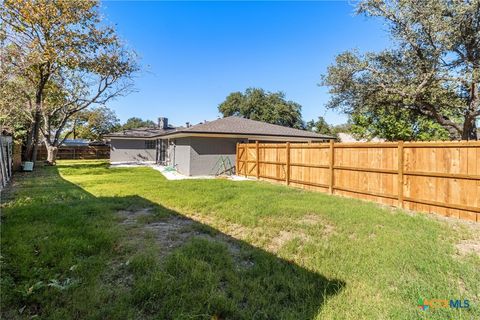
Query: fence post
(257, 160)
(331, 163)
(287, 173)
(237, 160)
(400, 173)
(245, 166)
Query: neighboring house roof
(140, 133)
(229, 126)
(75, 142)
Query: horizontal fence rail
(437, 177)
(80, 152)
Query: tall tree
(431, 75)
(15, 112)
(68, 59)
(15, 108)
(135, 123)
(94, 123)
(393, 124)
(257, 104)
(320, 126)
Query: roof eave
(179, 134)
(187, 133)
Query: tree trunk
(74, 129)
(38, 115)
(51, 154)
(470, 129)
(27, 155)
(470, 124)
(36, 133)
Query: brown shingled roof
(242, 126)
(232, 125)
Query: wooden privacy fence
(440, 177)
(79, 152)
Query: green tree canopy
(258, 104)
(427, 84)
(393, 124)
(135, 123)
(13, 105)
(93, 124)
(69, 60)
(320, 126)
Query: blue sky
(195, 53)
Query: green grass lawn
(83, 241)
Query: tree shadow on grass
(205, 273)
(81, 256)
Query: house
(75, 143)
(199, 149)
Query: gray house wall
(191, 156)
(130, 150)
(194, 156)
(206, 154)
(179, 155)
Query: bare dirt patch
(273, 233)
(310, 219)
(313, 220)
(466, 247)
(131, 216)
(283, 237)
(470, 231)
(173, 231)
(329, 230)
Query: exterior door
(162, 151)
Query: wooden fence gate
(439, 177)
